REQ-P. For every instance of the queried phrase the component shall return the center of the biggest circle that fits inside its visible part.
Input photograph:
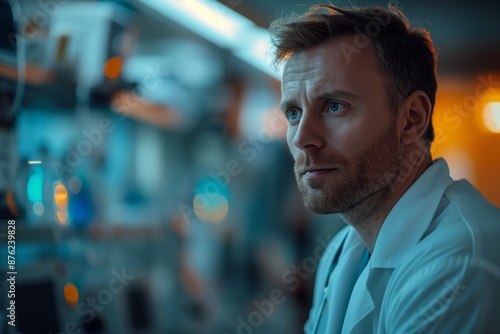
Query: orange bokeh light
(113, 67)
(61, 202)
(60, 196)
(491, 116)
(71, 294)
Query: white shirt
(435, 267)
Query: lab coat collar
(402, 230)
(411, 216)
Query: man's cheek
(296, 154)
(291, 146)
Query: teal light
(34, 187)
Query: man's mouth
(316, 172)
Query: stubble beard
(375, 172)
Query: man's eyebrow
(285, 104)
(333, 95)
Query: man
(421, 252)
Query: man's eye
(334, 106)
(293, 114)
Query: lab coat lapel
(362, 314)
(342, 281)
(360, 305)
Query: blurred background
(142, 157)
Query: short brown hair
(405, 56)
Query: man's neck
(369, 215)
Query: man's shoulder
(448, 281)
(467, 224)
(464, 233)
(471, 204)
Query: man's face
(341, 131)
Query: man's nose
(309, 134)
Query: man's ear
(414, 115)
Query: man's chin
(318, 204)
(325, 202)
(319, 210)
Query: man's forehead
(305, 70)
(314, 80)
(302, 63)
(327, 61)
(304, 60)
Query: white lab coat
(435, 267)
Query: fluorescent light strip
(222, 26)
(256, 51)
(34, 162)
